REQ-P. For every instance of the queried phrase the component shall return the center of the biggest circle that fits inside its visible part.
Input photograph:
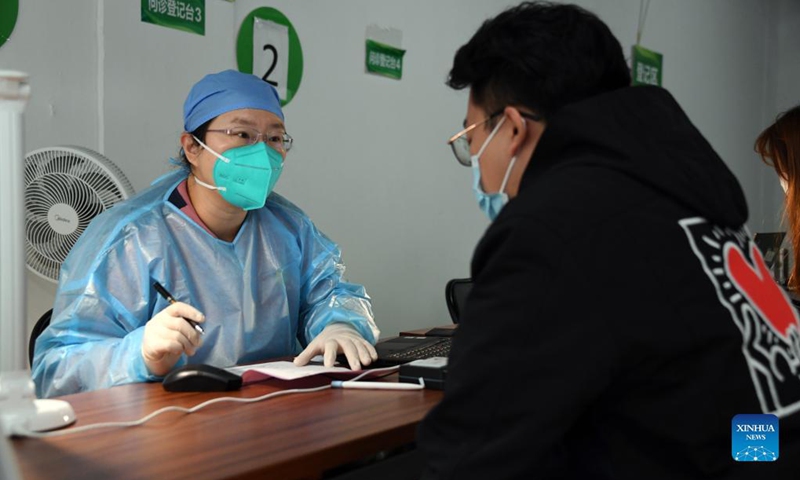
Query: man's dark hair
(542, 56)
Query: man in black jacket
(620, 317)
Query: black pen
(168, 297)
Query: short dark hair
(539, 55)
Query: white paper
(287, 370)
(271, 53)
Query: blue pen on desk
(168, 297)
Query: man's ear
(524, 130)
(519, 130)
(191, 149)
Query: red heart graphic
(761, 290)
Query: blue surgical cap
(223, 92)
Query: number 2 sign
(268, 47)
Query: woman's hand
(339, 338)
(168, 335)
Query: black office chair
(41, 324)
(456, 292)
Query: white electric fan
(65, 188)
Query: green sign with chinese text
(647, 66)
(384, 60)
(186, 15)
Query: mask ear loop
(510, 165)
(221, 157)
(491, 136)
(224, 159)
(508, 174)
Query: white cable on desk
(21, 432)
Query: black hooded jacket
(620, 315)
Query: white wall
(786, 67)
(370, 164)
(56, 44)
(148, 71)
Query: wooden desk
(297, 436)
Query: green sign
(647, 66)
(268, 46)
(186, 15)
(384, 60)
(8, 18)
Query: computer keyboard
(438, 349)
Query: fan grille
(65, 188)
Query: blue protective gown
(266, 294)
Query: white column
(14, 92)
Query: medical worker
(244, 263)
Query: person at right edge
(620, 315)
(779, 147)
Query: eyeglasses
(280, 141)
(460, 144)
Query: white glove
(168, 335)
(337, 338)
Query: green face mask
(245, 176)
